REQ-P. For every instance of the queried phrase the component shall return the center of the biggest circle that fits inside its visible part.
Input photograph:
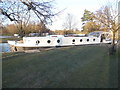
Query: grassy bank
(4, 40)
(74, 67)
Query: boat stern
(11, 42)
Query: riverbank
(72, 67)
(4, 40)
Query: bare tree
(16, 12)
(42, 9)
(108, 16)
(70, 23)
(1, 25)
(21, 10)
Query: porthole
(58, 41)
(48, 41)
(93, 39)
(87, 40)
(37, 42)
(73, 40)
(80, 40)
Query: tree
(90, 27)
(107, 16)
(69, 23)
(20, 11)
(87, 16)
(42, 9)
(42, 28)
(17, 13)
(59, 32)
(11, 29)
(1, 26)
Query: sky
(76, 8)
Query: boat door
(102, 37)
(105, 38)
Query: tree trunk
(113, 46)
(113, 42)
(21, 32)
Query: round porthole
(73, 40)
(87, 40)
(37, 42)
(93, 39)
(48, 41)
(80, 40)
(58, 41)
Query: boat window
(87, 40)
(58, 41)
(93, 39)
(48, 41)
(37, 42)
(73, 40)
(95, 34)
(80, 40)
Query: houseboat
(29, 43)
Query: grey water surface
(4, 47)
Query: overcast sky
(76, 7)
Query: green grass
(74, 67)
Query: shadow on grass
(114, 69)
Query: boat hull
(45, 42)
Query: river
(4, 47)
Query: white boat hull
(38, 42)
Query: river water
(4, 47)
(6, 37)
